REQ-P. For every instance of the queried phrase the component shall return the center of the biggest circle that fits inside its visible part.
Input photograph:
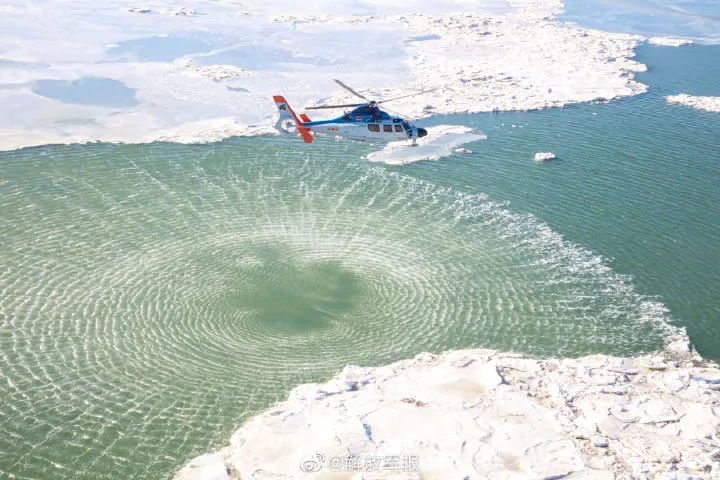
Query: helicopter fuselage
(364, 123)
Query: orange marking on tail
(304, 132)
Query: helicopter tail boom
(287, 116)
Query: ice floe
(218, 72)
(181, 12)
(485, 56)
(670, 41)
(487, 414)
(139, 9)
(711, 104)
(440, 142)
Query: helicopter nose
(421, 132)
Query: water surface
(155, 296)
(637, 180)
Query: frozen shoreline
(471, 413)
(208, 75)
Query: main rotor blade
(335, 106)
(400, 114)
(351, 90)
(406, 96)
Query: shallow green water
(154, 296)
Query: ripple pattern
(153, 296)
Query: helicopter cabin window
(387, 128)
(373, 127)
(398, 128)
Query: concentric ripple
(151, 296)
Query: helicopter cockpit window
(373, 127)
(387, 128)
(406, 125)
(398, 128)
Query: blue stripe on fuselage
(325, 122)
(350, 119)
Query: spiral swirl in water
(151, 296)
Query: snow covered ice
(488, 414)
(203, 71)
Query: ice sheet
(693, 19)
(441, 141)
(205, 70)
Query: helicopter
(365, 122)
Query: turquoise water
(637, 181)
(154, 296)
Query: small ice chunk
(462, 150)
(543, 156)
(181, 12)
(139, 9)
(600, 441)
(222, 72)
